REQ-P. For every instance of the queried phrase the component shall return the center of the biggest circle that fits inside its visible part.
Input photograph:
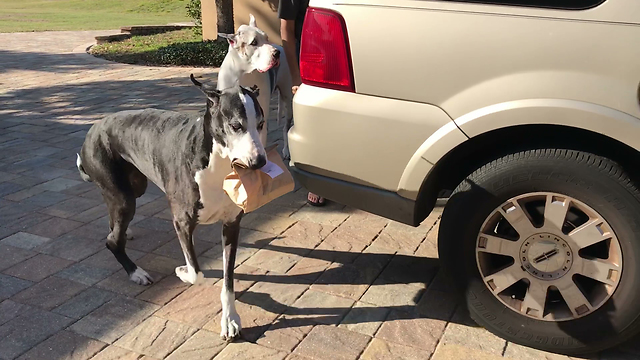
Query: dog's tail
(83, 174)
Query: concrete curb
(84, 48)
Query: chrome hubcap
(549, 256)
(546, 256)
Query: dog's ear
(231, 38)
(208, 90)
(252, 20)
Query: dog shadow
(438, 300)
(433, 298)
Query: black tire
(593, 180)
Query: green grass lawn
(182, 47)
(41, 15)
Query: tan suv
(528, 110)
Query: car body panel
(433, 149)
(618, 11)
(418, 64)
(577, 114)
(335, 121)
(475, 63)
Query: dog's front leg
(230, 323)
(190, 273)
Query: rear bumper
(380, 202)
(360, 138)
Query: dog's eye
(254, 42)
(261, 125)
(236, 126)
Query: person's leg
(312, 199)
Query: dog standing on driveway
(253, 60)
(188, 159)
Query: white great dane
(253, 61)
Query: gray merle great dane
(188, 158)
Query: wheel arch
(493, 133)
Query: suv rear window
(551, 4)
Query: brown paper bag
(250, 189)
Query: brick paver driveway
(330, 283)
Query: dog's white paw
(189, 276)
(230, 326)
(141, 277)
(128, 235)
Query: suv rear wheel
(546, 244)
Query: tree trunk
(224, 10)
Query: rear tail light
(325, 59)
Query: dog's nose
(276, 54)
(258, 163)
